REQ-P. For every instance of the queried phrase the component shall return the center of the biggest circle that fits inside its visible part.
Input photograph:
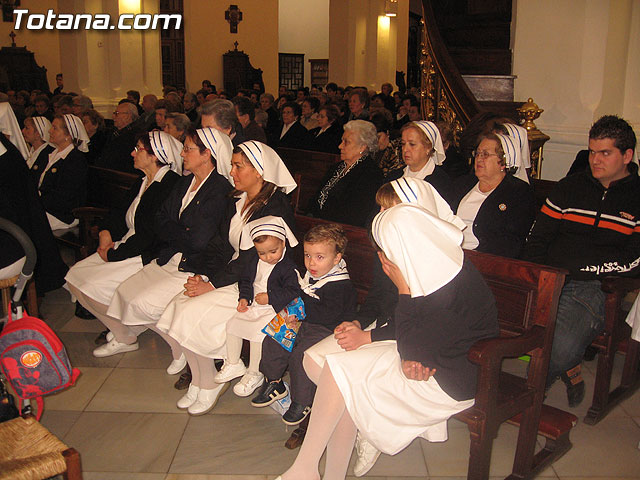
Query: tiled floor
(121, 416)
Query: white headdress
(77, 131)
(166, 149)
(519, 134)
(433, 134)
(512, 156)
(419, 192)
(269, 164)
(269, 225)
(9, 126)
(221, 148)
(43, 125)
(425, 249)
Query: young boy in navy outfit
(329, 299)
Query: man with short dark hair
(590, 226)
(60, 85)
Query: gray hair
(84, 102)
(268, 96)
(133, 110)
(180, 120)
(223, 112)
(365, 132)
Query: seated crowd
(203, 255)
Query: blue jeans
(579, 321)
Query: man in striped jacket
(590, 226)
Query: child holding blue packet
(268, 284)
(329, 299)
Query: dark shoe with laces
(575, 386)
(269, 393)
(184, 381)
(296, 413)
(83, 313)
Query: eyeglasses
(139, 149)
(186, 149)
(483, 154)
(116, 113)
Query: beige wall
(44, 43)
(366, 48)
(578, 60)
(207, 38)
(304, 28)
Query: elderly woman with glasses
(127, 241)
(189, 218)
(348, 191)
(497, 207)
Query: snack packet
(278, 329)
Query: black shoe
(296, 414)
(269, 392)
(185, 379)
(575, 394)
(83, 313)
(572, 379)
(590, 353)
(102, 338)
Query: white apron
(388, 409)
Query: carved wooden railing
(444, 95)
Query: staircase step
(506, 109)
(482, 61)
(498, 88)
(476, 35)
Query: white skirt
(98, 279)
(199, 323)
(318, 352)
(389, 409)
(249, 324)
(141, 298)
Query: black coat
(191, 232)
(439, 180)
(504, 218)
(143, 241)
(296, 137)
(282, 285)
(353, 199)
(19, 203)
(116, 153)
(328, 141)
(218, 266)
(64, 186)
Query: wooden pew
(311, 166)
(106, 189)
(527, 298)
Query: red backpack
(34, 360)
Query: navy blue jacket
(191, 232)
(282, 286)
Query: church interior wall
(304, 28)
(579, 60)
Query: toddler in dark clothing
(268, 283)
(329, 299)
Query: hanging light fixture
(391, 8)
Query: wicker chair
(28, 451)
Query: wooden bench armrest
(492, 351)
(620, 285)
(89, 213)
